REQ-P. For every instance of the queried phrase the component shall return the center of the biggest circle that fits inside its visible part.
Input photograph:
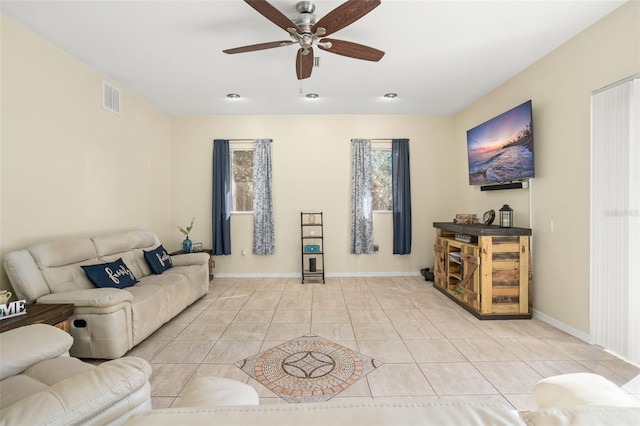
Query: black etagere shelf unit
(312, 246)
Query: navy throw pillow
(158, 259)
(115, 274)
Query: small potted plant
(186, 244)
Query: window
(381, 189)
(241, 180)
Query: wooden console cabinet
(490, 275)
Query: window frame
(239, 146)
(382, 146)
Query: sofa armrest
(96, 297)
(23, 347)
(188, 259)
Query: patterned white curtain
(263, 240)
(361, 202)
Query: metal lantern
(506, 216)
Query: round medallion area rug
(308, 369)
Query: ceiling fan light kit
(305, 30)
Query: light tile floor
(431, 348)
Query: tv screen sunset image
(501, 149)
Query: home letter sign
(13, 309)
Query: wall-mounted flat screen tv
(501, 150)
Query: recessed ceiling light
(233, 96)
(312, 95)
(390, 95)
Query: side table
(56, 315)
(212, 262)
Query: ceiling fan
(306, 31)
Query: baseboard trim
(373, 274)
(258, 275)
(562, 326)
(327, 275)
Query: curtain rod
(245, 140)
(380, 139)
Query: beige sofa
(571, 399)
(41, 384)
(107, 322)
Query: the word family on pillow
(158, 259)
(115, 274)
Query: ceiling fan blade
(345, 14)
(352, 50)
(259, 46)
(274, 15)
(304, 63)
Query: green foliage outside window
(242, 180)
(381, 190)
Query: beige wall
(311, 157)
(560, 87)
(68, 167)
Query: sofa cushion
(158, 259)
(115, 243)
(60, 253)
(57, 369)
(150, 308)
(59, 263)
(115, 274)
(68, 277)
(129, 246)
(177, 288)
(15, 388)
(191, 274)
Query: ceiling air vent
(316, 61)
(110, 98)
